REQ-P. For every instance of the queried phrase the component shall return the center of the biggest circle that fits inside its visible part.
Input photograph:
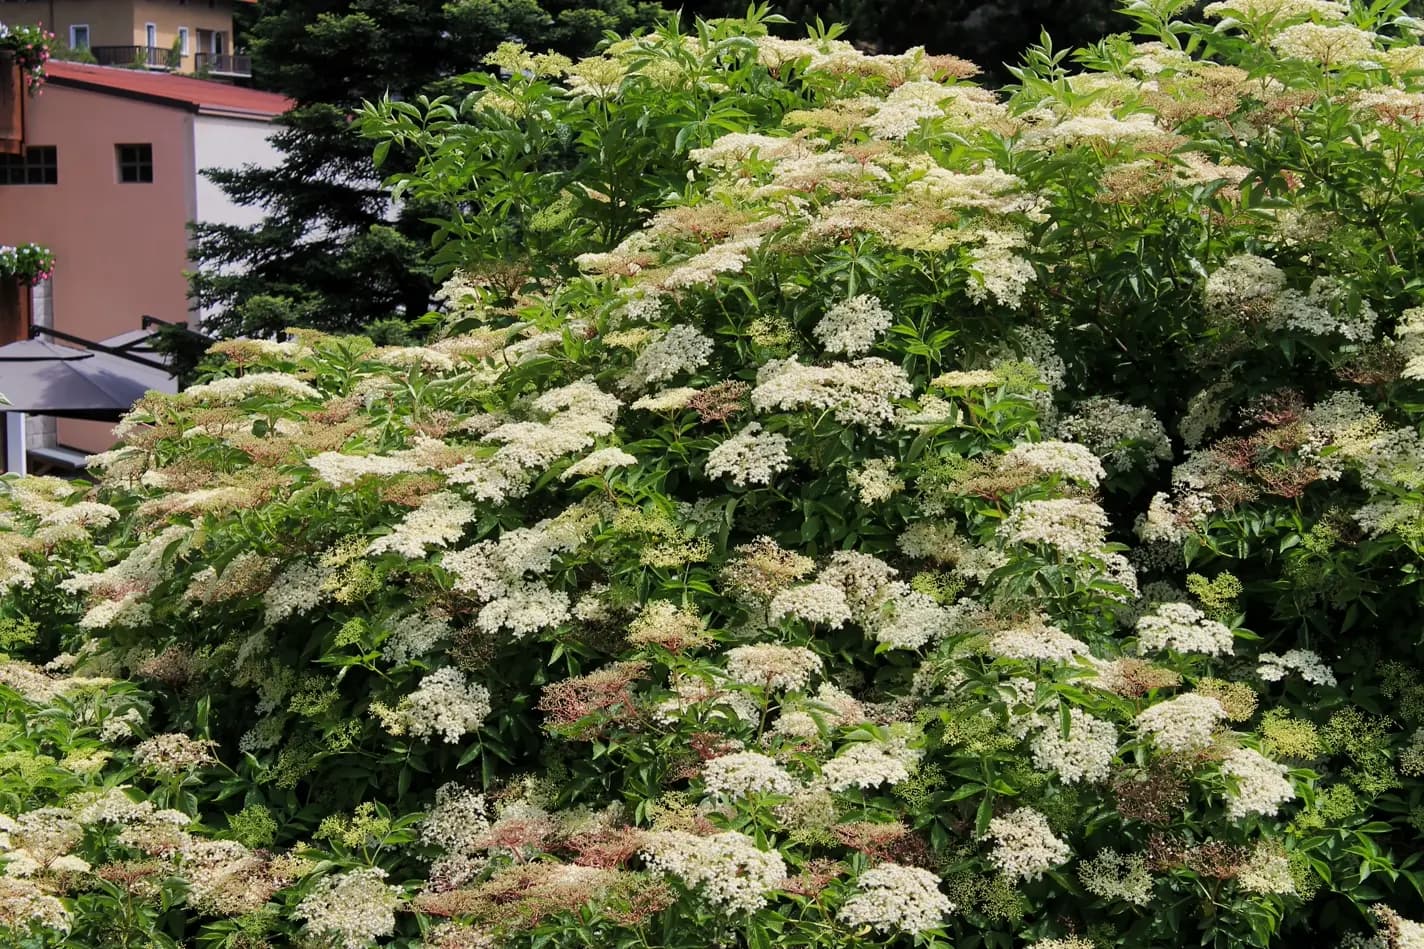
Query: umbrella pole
(15, 443)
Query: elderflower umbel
(444, 704)
(351, 909)
(852, 326)
(746, 772)
(1183, 723)
(1067, 459)
(1117, 876)
(1259, 785)
(750, 457)
(728, 869)
(773, 667)
(438, 522)
(1036, 640)
(869, 764)
(860, 393)
(600, 462)
(1024, 844)
(1184, 628)
(681, 349)
(1069, 524)
(817, 603)
(875, 481)
(1086, 754)
(1311, 667)
(893, 898)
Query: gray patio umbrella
(42, 378)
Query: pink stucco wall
(120, 249)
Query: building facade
(188, 36)
(109, 177)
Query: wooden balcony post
(12, 105)
(14, 310)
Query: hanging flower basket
(30, 47)
(28, 263)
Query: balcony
(222, 64)
(137, 57)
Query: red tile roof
(195, 95)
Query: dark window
(135, 163)
(39, 165)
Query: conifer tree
(331, 251)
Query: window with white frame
(150, 35)
(183, 40)
(79, 36)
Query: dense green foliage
(842, 507)
(992, 33)
(329, 227)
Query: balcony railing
(223, 64)
(137, 57)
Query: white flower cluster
(1182, 627)
(1085, 754)
(853, 326)
(459, 816)
(869, 764)
(1066, 459)
(731, 150)
(750, 457)
(1071, 525)
(495, 572)
(1267, 870)
(351, 910)
(893, 898)
(773, 667)
(300, 587)
(1278, 9)
(999, 270)
(703, 269)
(338, 469)
(889, 610)
(727, 869)
(599, 463)
(1409, 336)
(1183, 723)
(860, 393)
(1333, 46)
(1326, 311)
(438, 522)
(446, 704)
(681, 349)
(666, 400)
(237, 388)
(414, 635)
(1306, 662)
(25, 905)
(1117, 876)
(1024, 845)
(1036, 640)
(1124, 436)
(576, 415)
(1099, 127)
(817, 603)
(746, 772)
(904, 618)
(902, 111)
(1258, 784)
(1244, 283)
(876, 481)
